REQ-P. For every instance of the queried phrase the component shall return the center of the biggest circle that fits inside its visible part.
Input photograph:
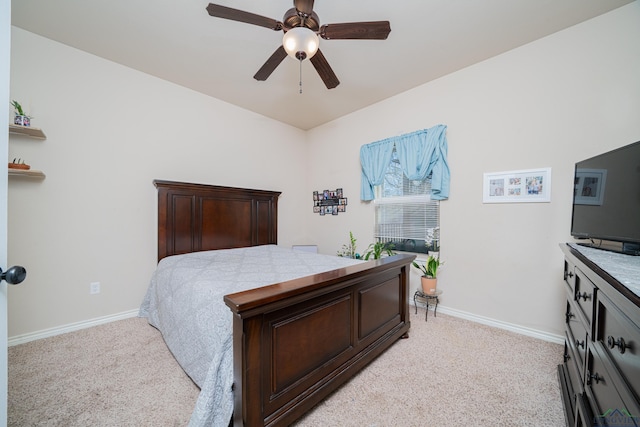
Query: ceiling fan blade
(376, 30)
(324, 70)
(272, 63)
(224, 12)
(303, 6)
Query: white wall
(551, 103)
(110, 132)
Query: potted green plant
(349, 250)
(429, 272)
(378, 249)
(21, 119)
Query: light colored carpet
(450, 372)
(118, 374)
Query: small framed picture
(521, 186)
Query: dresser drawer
(611, 402)
(620, 339)
(585, 295)
(570, 275)
(578, 336)
(573, 370)
(599, 386)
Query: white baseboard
(32, 336)
(545, 336)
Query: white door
(5, 56)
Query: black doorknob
(13, 275)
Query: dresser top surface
(624, 268)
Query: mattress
(185, 303)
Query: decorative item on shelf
(429, 273)
(329, 202)
(378, 249)
(19, 164)
(349, 250)
(21, 119)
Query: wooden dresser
(600, 376)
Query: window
(405, 214)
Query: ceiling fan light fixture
(300, 43)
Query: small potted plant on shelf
(429, 272)
(21, 119)
(378, 249)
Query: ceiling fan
(301, 26)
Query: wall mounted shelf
(33, 133)
(27, 131)
(27, 173)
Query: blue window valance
(419, 153)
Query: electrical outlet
(94, 288)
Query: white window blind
(405, 215)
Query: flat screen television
(606, 200)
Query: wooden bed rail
(242, 301)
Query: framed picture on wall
(520, 186)
(329, 202)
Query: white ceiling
(178, 41)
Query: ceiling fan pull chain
(300, 75)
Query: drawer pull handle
(585, 296)
(622, 346)
(569, 316)
(580, 343)
(595, 377)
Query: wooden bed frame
(294, 342)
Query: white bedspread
(185, 302)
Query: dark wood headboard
(198, 217)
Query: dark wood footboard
(302, 339)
